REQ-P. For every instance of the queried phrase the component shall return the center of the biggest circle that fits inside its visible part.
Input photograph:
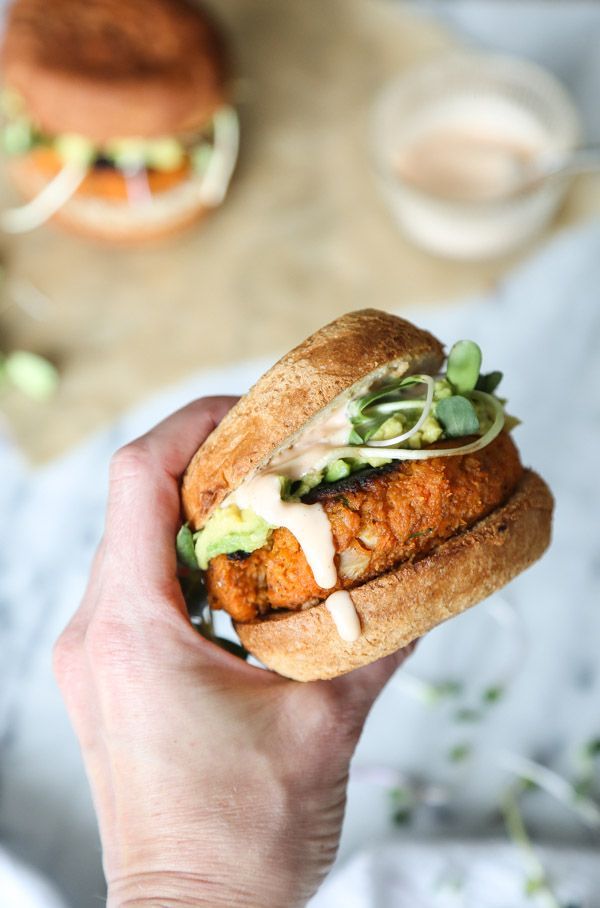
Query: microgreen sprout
(553, 784)
(492, 694)
(488, 401)
(587, 757)
(537, 882)
(30, 373)
(404, 436)
(403, 802)
(489, 382)
(592, 748)
(427, 692)
(464, 363)
(458, 417)
(467, 715)
(460, 753)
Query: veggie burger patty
(379, 518)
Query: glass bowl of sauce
(455, 140)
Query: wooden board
(302, 237)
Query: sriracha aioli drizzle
(341, 608)
(307, 522)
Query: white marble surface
(457, 875)
(539, 639)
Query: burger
(363, 491)
(116, 116)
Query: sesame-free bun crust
(332, 364)
(402, 605)
(110, 68)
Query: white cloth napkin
(459, 875)
(22, 887)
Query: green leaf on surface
(467, 715)
(402, 803)
(459, 753)
(458, 417)
(592, 747)
(402, 816)
(534, 885)
(492, 694)
(447, 688)
(464, 363)
(32, 374)
(527, 784)
(583, 788)
(185, 548)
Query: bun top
(114, 68)
(351, 352)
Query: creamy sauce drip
(310, 452)
(307, 522)
(341, 608)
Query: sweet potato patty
(379, 519)
(106, 183)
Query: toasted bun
(402, 605)
(111, 219)
(107, 68)
(326, 368)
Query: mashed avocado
(19, 135)
(233, 530)
(230, 530)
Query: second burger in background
(117, 120)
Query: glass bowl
(511, 111)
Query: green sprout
(403, 803)
(467, 715)
(29, 373)
(458, 417)
(460, 753)
(464, 363)
(536, 882)
(493, 694)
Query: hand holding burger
(191, 754)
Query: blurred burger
(116, 116)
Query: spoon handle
(582, 160)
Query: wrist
(167, 889)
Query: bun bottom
(114, 221)
(402, 605)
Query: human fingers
(143, 510)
